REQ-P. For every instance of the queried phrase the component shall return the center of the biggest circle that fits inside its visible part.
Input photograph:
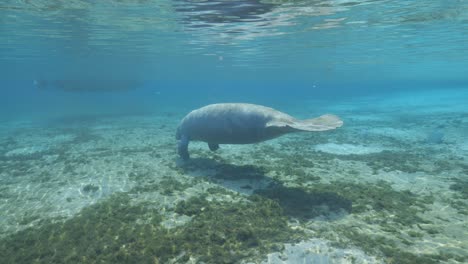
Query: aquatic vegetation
(400, 207)
(435, 136)
(231, 231)
(166, 186)
(118, 231)
(232, 172)
(304, 205)
(460, 205)
(27, 218)
(460, 201)
(139, 175)
(395, 213)
(296, 164)
(461, 187)
(387, 160)
(170, 185)
(100, 232)
(192, 206)
(389, 248)
(391, 161)
(90, 188)
(224, 226)
(83, 135)
(4, 191)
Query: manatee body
(240, 123)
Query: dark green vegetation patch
(403, 206)
(394, 212)
(304, 205)
(115, 231)
(223, 232)
(460, 201)
(461, 187)
(230, 172)
(90, 188)
(167, 186)
(389, 248)
(387, 160)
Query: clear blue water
(309, 46)
(117, 71)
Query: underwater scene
(234, 131)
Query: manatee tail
(321, 123)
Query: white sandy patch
(464, 146)
(363, 118)
(318, 251)
(462, 149)
(400, 134)
(347, 149)
(61, 138)
(31, 144)
(26, 151)
(103, 127)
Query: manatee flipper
(182, 147)
(321, 123)
(213, 146)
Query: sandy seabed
(392, 183)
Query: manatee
(241, 123)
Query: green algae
(192, 206)
(402, 206)
(90, 188)
(460, 205)
(397, 207)
(223, 232)
(117, 231)
(28, 218)
(98, 233)
(389, 161)
(460, 199)
(289, 164)
(385, 160)
(167, 186)
(170, 186)
(461, 187)
(389, 248)
(393, 212)
(304, 205)
(294, 164)
(231, 172)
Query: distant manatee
(240, 123)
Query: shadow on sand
(250, 180)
